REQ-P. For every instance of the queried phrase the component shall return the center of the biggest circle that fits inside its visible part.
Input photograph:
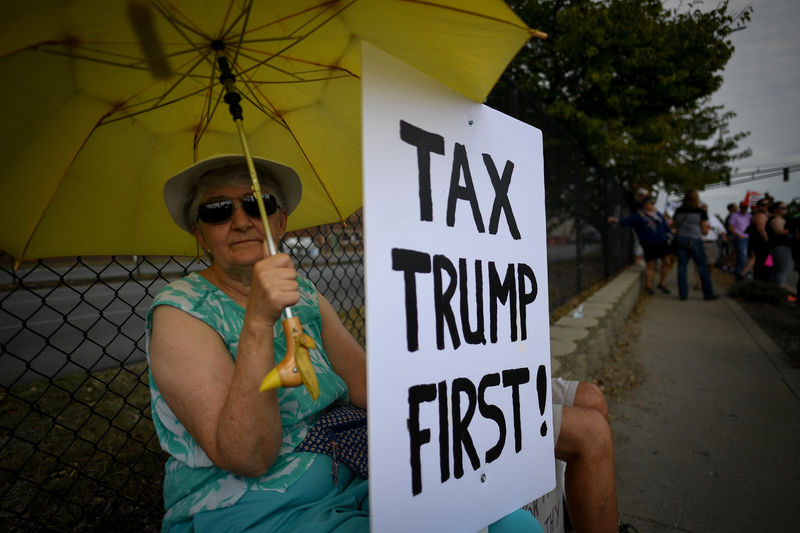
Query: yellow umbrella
(89, 135)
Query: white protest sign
(458, 348)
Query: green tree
(625, 85)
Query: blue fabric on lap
(520, 521)
(315, 504)
(311, 504)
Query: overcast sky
(762, 85)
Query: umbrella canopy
(90, 135)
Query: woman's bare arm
(344, 352)
(215, 398)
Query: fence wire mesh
(77, 446)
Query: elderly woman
(212, 337)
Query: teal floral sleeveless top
(192, 482)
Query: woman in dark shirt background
(691, 223)
(779, 243)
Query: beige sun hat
(179, 189)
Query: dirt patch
(621, 371)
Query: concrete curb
(579, 344)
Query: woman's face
(239, 241)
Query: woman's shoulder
(198, 297)
(308, 291)
(306, 283)
(189, 287)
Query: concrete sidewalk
(710, 439)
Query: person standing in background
(635, 204)
(779, 243)
(759, 240)
(737, 225)
(651, 229)
(691, 223)
(729, 250)
(793, 226)
(711, 243)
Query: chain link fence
(77, 447)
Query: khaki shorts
(563, 394)
(712, 251)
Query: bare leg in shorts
(585, 444)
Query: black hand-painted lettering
(444, 432)
(541, 390)
(491, 411)
(417, 437)
(442, 301)
(461, 437)
(505, 291)
(426, 143)
(467, 192)
(477, 335)
(524, 272)
(501, 200)
(411, 262)
(514, 378)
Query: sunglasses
(219, 211)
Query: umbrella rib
(154, 107)
(246, 13)
(258, 63)
(298, 79)
(40, 218)
(183, 76)
(177, 25)
(137, 63)
(304, 80)
(467, 12)
(167, 9)
(222, 31)
(266, 62)
(329, 5)
(208, 111)
(206, 114)
(316, 174)
(206, 122)
(326, 6)
(141, 66)
(268, 109)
